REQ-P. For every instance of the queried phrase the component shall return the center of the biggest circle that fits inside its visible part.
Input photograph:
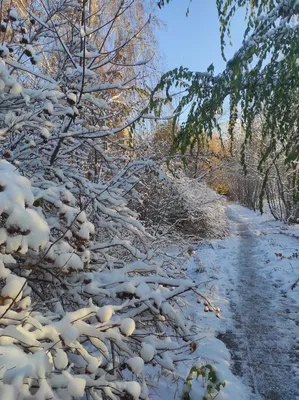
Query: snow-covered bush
(49, 351)
(172, 200)
(185, 205)
(84, 298)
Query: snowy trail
(254, 345)
(264, 335)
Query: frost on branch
(84, 299)
(46, 353)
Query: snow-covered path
(264, 342)
(257, 266)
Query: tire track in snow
(263, 342)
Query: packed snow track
(263, 339)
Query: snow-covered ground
(252, 273)
(254, 344)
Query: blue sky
(194, 41)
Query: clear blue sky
(194, 41)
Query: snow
(13, 287)
(60, 359)
(29, 49)
(45, 133)
(8, 392)
(91, 289)
(13, 14)
(16, 89)
(72, 97)
(48, 106)
(32, 230)
(24, 303)
(147, 352)
(15, 363)
(133, 388)
(98, 102)
(105, 313)
(69, 111)
(259, 310)
(69, 261)
(4, 272)
(76, 386)
(136, 365)
(127, 326)
(93, 293)
(84, 232)
(215, 263)
(69, 334)
(143, 289)
(4, 52)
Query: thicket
(274, 187)
(87, 300)
(176, 198)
